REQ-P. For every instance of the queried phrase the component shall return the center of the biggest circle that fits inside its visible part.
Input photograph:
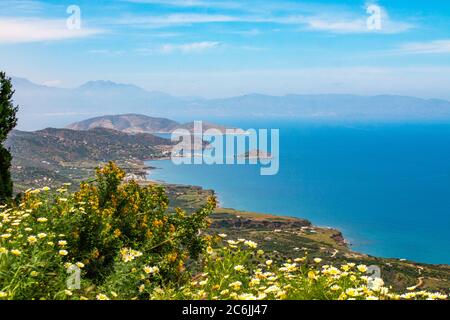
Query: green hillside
(55, 156)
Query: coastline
(342, 240)
(290, 237)
(251, 217)
(339, 238)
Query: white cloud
(194, 47)
(176, 3)
(174, 19)
(190, 3)
(165, 34)
(352, 23)
(354, 26)
(248, 33)
(107, 51)
(430, 47)
(21, 30)
(330, 21)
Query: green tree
(8, 121)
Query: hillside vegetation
(55, 156)
(97, 144)
(126, 243)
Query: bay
(385, 185)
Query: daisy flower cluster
(237, 270)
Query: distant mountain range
(43, 106)
(137, 123)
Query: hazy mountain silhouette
(43, 106)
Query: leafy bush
(49, 231)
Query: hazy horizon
(197, 96)
(46, 106)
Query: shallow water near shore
(386, 186)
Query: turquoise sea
(386, 186)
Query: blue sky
(224, 48)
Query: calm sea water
(386, 186)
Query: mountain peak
(106, 84)
(23, 82)
(129, 123)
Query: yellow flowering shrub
(104, 228)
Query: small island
(256, 154)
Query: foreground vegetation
(98, 229)
(125, 243)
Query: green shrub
(94, 227)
